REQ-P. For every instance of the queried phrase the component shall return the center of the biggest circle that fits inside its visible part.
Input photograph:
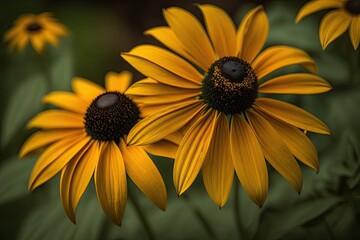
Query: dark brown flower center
(353, 6)
(33, 27)
(111, 116)
(230, 85)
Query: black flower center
(353, 6)
(34, 27)
(111, 116)
(230, 86)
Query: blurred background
(328, 206)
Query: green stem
(200, 217)
(46, 71)
(238, 223)
(141, 215)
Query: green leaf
(14, 177)
(276, 224)
(24, 103)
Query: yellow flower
(226, 124)
(87, 137)
(36, 29)
(346, 15)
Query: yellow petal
(354, 31)
(56, 119)
(191, 34)
(162, 123)
(85, 89)
(38, 42)
(221, 30)
(55, 157)
(13, 33)
(332, 26)
(50, 37)
(144, 174)
(110, 182)
(55, 27)
(297, 142)
(297, 83)
(163, 66)
(249, 161)
(292, 115)
(147, 110)
(167, 37)
(76, 176)
(41, 139)
(315, 6)
(162, 148)
(218, 168)
(275, 150)
(118, 81)
(252, 33)
(192, 151)
(274, 58)
(67, 101)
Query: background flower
(346, 16)
(37, 29)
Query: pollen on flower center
(34, 27)
(353, 6)
(111, 116)
(230, 85)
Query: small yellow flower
(36, 29)
(210, 94)
(346, 15)
(87, 137)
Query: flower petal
(191, 34)
(221, 30)
(163, 66)
(167, 37)
(192, 151)
(275, 150)
(315, 6)
(110, 182)
(297, 142)
(248, 160)
(354, 32)
(274, 58)
(76, 176)
(332, 26)
(218, 168)
(38, 42)
(252, 33)
(50, 119)
(162, 123)
(163, 148)
(297, 83)
(118, 81)
(55, 157)
(292, 115)
(41, 139)
(144, 174)
(86, 89)
(67, 101)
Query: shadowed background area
(328, 206)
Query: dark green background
(327, 208)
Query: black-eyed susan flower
(345, 16)
(211, 93)
(38, 29)
(87, 137)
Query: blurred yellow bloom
(346, 15)
(211, 95)
(87, 137)
(36, 29)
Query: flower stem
(45, 69)
(141, 215)
(238, 223)
(200, 217)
